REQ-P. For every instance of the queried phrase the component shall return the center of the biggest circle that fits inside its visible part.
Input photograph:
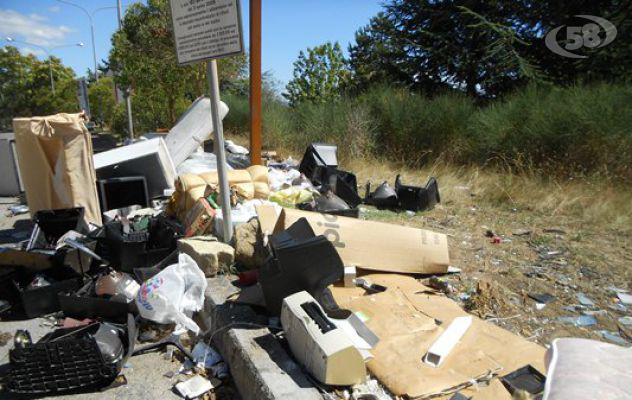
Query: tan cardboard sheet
(370, 245)
(404, 318)
(55, 158)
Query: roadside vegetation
(566, 132)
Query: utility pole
(89, 15)
(128, 100)
(255, 82)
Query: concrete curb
(260, 367)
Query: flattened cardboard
(406, 318)
(369, 245)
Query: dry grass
(580, 201)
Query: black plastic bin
(43, 300)
(139, 249)
(54, 223)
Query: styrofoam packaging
(192, 128)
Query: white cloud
(31, 28)
(54, 9)
(29, 50)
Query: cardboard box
(199, 218)
(367, 244)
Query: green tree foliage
(319, 76)
(436, 45)
(25, 87)
(484, 48)
(143, 59)
(102, 100)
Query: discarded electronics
(415, 198)
(319, 345)
(148, 158)
(330, 203)
(299, 261)
(404, 197)
(122, 192)
(71, 360)
(318, 155)
(383, 197)
(339, 188)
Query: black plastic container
(414, 198)
(526, 378)
(300, 261)
(138, 249)
(318, 154)
(54, 223)
(43, 300)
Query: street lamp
(47, 51)
(90, 15)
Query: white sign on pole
(206, 29)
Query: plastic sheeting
(55, 158)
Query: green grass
(575, 131)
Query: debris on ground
(334, 288)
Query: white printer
(325, 350)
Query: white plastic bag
(174, 294)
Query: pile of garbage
(131, 255)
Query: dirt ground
(505, 254)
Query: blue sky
(288, 27)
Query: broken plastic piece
(415, 198)
(446, 342)
(54, 223)
(350, 275)
(542, 298)
(625, 298)
(383, 197)
(194, 387)
(526, 378)
(301, 261)
(585, 300)
(371, 288)
(330, 203)
(318, 154)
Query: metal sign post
(220, 154)
(204, 31)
